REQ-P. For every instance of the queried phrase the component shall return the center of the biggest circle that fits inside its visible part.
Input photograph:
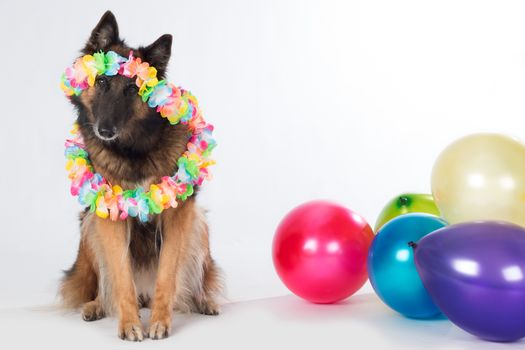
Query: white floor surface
(361, 322)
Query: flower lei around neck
(173, 103)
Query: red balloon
(320, 251)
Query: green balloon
(404, 204)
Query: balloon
(391, 265)
(406, 203)
(481, 177)
(319, 251)
(475, 275)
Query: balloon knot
(412, 245)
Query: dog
(121, 266)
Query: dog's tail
(80, 283)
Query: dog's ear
(158, 54)
(103, 35)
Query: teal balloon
(391, 267)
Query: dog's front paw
(159, 329)
(130, 331)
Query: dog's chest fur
(144, 248)
(145, 242)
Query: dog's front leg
(117, 263)
(176, 224)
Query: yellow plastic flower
(88, 65)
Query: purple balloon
(475, 273)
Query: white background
(350, 101)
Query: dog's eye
(131, 90)
(102, 82)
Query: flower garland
(173, 103)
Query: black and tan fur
(124, 265)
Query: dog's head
(111, 110)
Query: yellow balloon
(481, 177)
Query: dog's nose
(107, 133)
